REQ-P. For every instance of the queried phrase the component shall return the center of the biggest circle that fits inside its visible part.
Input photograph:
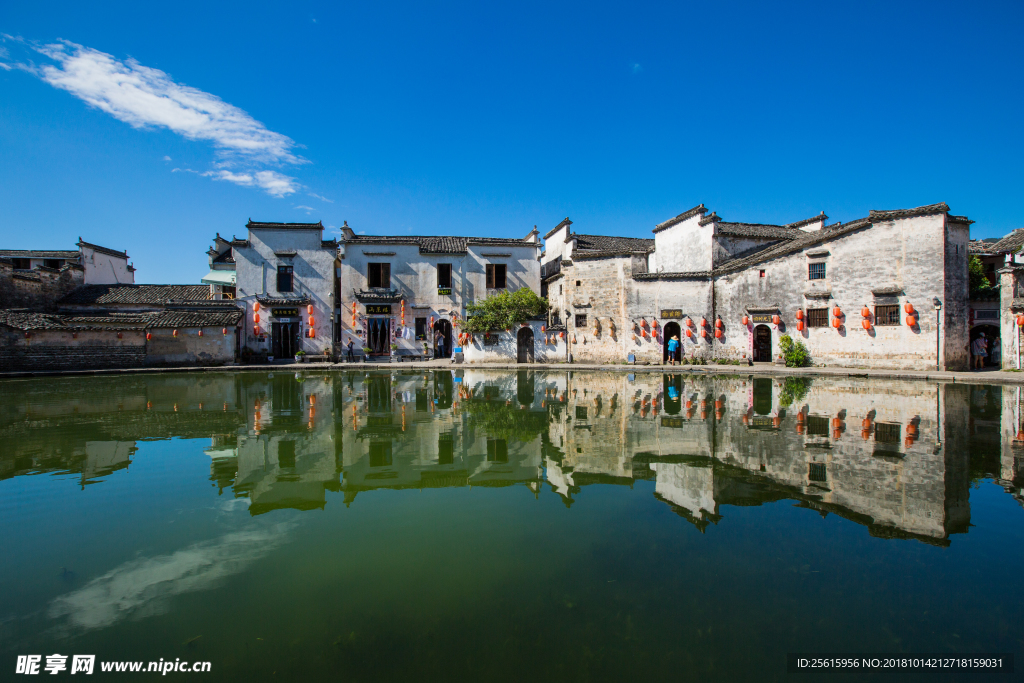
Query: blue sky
(151, 127)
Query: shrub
(794, 352)
(794, 389)
(503, 311)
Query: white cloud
(321, 198)
(307, 209)
(146, 98)
(273, 183)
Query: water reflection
(897, 457)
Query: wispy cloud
(166, 158)
(321, 198)
(145, 98)
(636, 68)
(305, 208)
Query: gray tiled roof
(695, 275)
(21, 320)
(227, 257)
(758, 230)
(440, 244)
(1009, 244)
(699, 209)
(136, 294)
(258, 225)
(102, 250)
(212, 318)
(607, 243)
(807, 221)
(36, 253)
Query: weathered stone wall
(955, 335)
(189, 347)
(547, 347)
(60, 350)
(1011, 285)
(685, 247)
(38, 289)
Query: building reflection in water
(897, 457)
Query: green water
(475, 525)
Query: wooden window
(21, 263)
(817, 426)
(887, 315)
(444, 275)
(495, 276)
(817, 317)
(227, 291)
(378, 275)
(497, 450)
(816, 271)
(887, 433)
(581, 412)
(579, 283)
(284, 278)
(760, 273)
(54, 263)
(421, 329)
(581, 320)
(816, 471)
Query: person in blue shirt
(673, 350)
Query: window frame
(580, 320)
(289, 271)
(442, 268)
(421, 329)
(887, 315)
(492, 271)
(817, 317)
(816, 270)
(382, 276)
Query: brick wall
(70, 357)
(37, 289)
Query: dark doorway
(378, 336)
(442, 332)
(524, 345)
(671, 330)
(524, 388)
(762, 396)
(673, 388)
(762, 344)
(991, 335)
(285, 338)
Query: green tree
(504, 311)
(976, 277)
(794, 352)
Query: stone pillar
(1011, 304)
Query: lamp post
(938, 309)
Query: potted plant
(394, 352)
(367, 351)
(300, 356)
(426, 351)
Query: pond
(479, 525)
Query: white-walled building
(411, 291)
(285, 275)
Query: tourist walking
(673, 349)
(979, 349)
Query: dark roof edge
(807, 221)
(102, 250)
(565, 221)
(697, 275)
(699, 209)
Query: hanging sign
(674, 422)
(761, 318)
(672, 313)
(444, 291)
(285, 312)
(378, 309)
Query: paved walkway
(991, 376)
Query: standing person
(673, 349)
(440, 346)
(980, 350)
(350, 355)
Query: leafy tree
(976, 277)
(794, 352)
(794, 390)
(504, 311)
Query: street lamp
(938, 308)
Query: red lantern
(911, 321)
(120, 335)
(256, 306)
(689, 333)
(200, 333)
(149, 335)
(718, 334)
(703, 322)
(312, 321)
(311, 333)
(746, 320)
(908, 308)
(256, 318)
(543, 328)
(836, 323)
(836, 434)
(865, 312)
(1020, 320)
(704, 333)
(776, 320)
(562, 335)
(800, 314)
(256, 330)
(800, 326)
(654, 324)
(224, 331)
(718, 323)
(309, 308)
(175, 333)
(836, 311)
(689, 322)
(866, 324)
